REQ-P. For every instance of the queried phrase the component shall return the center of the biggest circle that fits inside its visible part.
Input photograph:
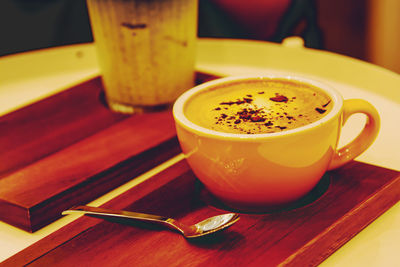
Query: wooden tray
(356, 194)
(70, 148)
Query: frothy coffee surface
(258, 106)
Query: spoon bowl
(205, 227)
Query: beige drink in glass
(145, 50)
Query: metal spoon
(205, 227)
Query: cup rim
(182, 120)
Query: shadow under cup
(265, 172)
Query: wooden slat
(42, 128)
(87, 169)
(304, 236)
(70, 148)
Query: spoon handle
(117, 213)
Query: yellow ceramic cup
(260, 171)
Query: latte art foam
(262, 106)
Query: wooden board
(70, 148)
(357, 194)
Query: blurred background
(363, 29)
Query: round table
(28, 77)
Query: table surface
(28, 77)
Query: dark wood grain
(70, 148)
(42, 128)
(305, 236)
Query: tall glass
(145, 50)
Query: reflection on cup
(261, 142)
(145, 50)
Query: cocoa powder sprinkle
(279, 98)
(248, 118)
(257, 119)
(324, 105)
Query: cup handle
(366, 136)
